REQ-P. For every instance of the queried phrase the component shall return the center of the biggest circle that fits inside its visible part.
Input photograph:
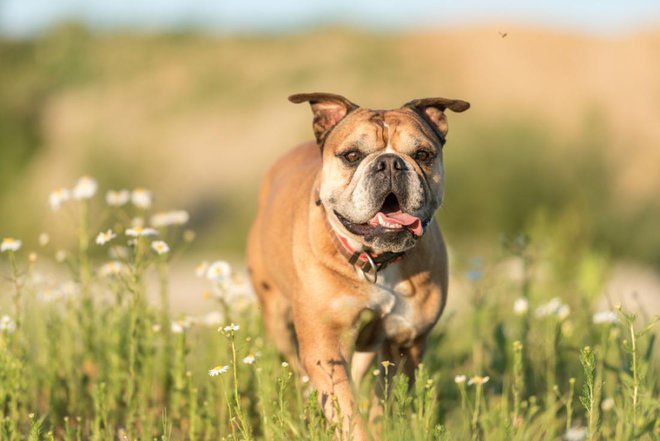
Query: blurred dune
(198, 118)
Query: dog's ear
(433, 111)
(328, 110)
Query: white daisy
(201, 269)
(212, 319)
(231, 328)
(85, 188)
(478, 380)
(106, 237)
(58, 197)
(60, 256)
(249, 359)
(218, 370)
(44, 239)
(112, 268)
(141, 198)
(139, 231)
(10, 244)
(218, 271)
(520, 306)
(458, 379)
(553, 307)
(178, 217)
(176, 328)
(160, 247)
(117, 198)
(576, 434)
(602, 317)
(7, 324)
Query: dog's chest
(398, 304)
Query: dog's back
(269, 247)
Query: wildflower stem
(83, 248)
(87, 320)
(245, 429)
(17, 288)
(229, 409)
(464, 405)
(635, 372)
(134, 334)
(518, 381)
(588, 361)
(165, 324)
(475, 413)
(569, 404)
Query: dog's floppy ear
(433, 111)
(328, 110)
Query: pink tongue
(398, 217)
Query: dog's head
(382, 176)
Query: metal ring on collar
(372, 274)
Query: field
(84, 355)
(123, 319)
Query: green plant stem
(17, 290)
(475, 413)
(243, 425)
(569, 403)
(635, 372)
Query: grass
(88, 357)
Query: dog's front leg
(324, 359)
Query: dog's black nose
(391, 163)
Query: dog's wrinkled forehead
(336, 116)
(398, 130)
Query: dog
(345, 229)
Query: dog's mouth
(389, 219)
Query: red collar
(364, 260)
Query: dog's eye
(353, 157)
(423, 156)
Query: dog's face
(382, 175)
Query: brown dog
(345, 225)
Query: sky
(27, 17)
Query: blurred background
(188, 99)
